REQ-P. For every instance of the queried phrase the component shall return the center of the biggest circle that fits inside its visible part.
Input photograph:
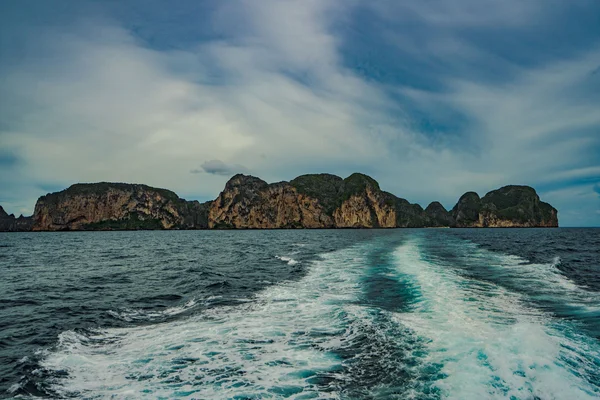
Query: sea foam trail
(543, 285)
(363, 323)
(275, 346)
(130, 315)
(488, 342)
(542, 280)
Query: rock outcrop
(509, 206)
(466, 212)
(439, 216)
(250, 203)
(116, 206)
(247, 202)
(362, 204)
(9, 223)
(310, 201)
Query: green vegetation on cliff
(308, 201)
(117, 206)
(357, 183)
(466, 211)
(324, 187)
(331, 190)
(102, 187)
(512, 205)
(438, 216)
(133, 222)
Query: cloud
(465, 13)
(218, 167)
(429, 106)
(8, 159)
(583, 196)
(94, 103)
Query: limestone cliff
(247, 202)
(115, 206)
(9, 223)
(509, 206)
(362, 204)
(311, 201)
(438, 216)
(466, 211)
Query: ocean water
(306, 314)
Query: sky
(432, 98)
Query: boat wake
(130, 315)
(369, 321)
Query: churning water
(367, 314)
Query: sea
(301, 314)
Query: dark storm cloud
(218, 167)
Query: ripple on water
(418, 314)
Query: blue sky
(431, 97)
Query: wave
(130, 315)
(288, 260)
(489, 343)
(341, 331)
(276, 346)
(545, 284)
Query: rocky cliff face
(369, 209)
(466, 211)
(9, 223)
(362, 204)
(247, 202)
(509, 206)
(311, 201)
(114, 206)
(438, 216)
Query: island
(247, 202)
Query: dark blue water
(357, 314)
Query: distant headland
(247, 202)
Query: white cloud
(275, 96)
(105, 107)
(576, 205)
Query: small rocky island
(10, 223)
(247, 202)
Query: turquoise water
(379, 314)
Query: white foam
(131, 315)
(288, 260)
(486, 340)
(542, 279)
(490, 344)
(14, 387)
(547, 274)
(269, 346)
